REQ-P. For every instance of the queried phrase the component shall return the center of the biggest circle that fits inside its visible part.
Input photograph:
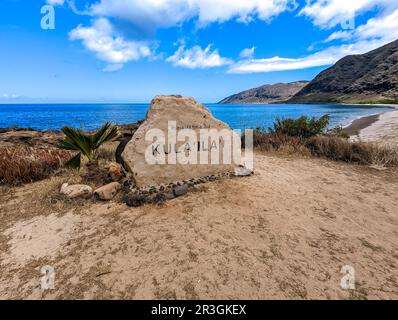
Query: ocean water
(92, 116)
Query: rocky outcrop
(270, 93)
(366, 78)
(10, 137)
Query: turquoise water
(92, 116)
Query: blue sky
(132, 50)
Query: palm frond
(106, 133)
(76, 139)
(74, 162)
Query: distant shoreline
(359, 124)
(352, 129)
(383, 129)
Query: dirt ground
(284, 233)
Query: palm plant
(86, 144)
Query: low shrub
(303, 127)
(26, 164)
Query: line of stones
(157, 194)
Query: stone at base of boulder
(108, 191)
(179, 191)
(76, 191)
(243, 172)
(115, 171)
(136, 197)
(134, 200)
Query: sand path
(286, 232)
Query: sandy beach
(381, 128)
(384, 130)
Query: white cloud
(384, 28)
(338, 35)
(247, 53)
(167, 13)
(9, 96)
(329, 13)
(113, 67)
(102, 39)
(112, 48)
(375, 33)
(197, 58)
(325, 57)
(56, 2)
(280, 64)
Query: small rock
(133, 200)
(158, 198)
(108, 191)
(243, 172)
(115, 171)
(76, 191)
(127, 182)
(180, 190)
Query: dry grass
(353, 152)
(39, 198)
(278, 143)
(106, 152)
(329, 147)
(26, 164)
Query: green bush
(303, 127)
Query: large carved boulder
(155, 159)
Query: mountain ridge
(363, 78)
(366, 78)
(269, 93)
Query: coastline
(382, 130)
(381, 127)
(359, 124)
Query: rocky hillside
(267, 94)
(367, 78)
